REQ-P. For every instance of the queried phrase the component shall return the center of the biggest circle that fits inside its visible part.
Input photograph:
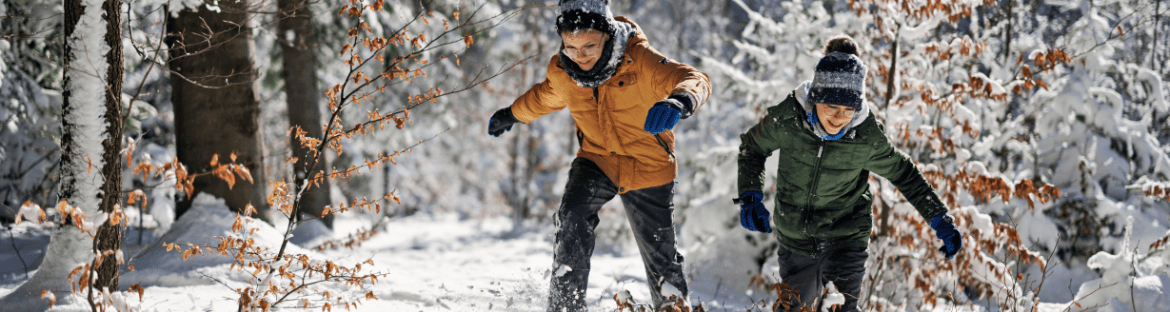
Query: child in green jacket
(829, 142)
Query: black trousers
(650, 213)
(844, 267)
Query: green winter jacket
(822, 192)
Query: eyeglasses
(583, 44)
(839, 111)
(590, 50)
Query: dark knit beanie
(839, 80)
(573, 15)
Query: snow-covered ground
(435, 263)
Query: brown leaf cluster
(984, 188)
(1156, 190)
(1158, 244)
(786, 296)
(1044, 62)
(291, 273)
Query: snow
(177, 6)
(207, 220)
(51, 274)
(31, 212)
(623, 296)
(88, 60)
(669, 290)
(435, 262)
(832, 297)
(561, 270)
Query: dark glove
(944, 228)
(501, 121)
(663, 115)
(752, 214)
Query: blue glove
(752, 214)
(944, 228)
(501, 121)
(663, 115)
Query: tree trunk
(81, 159)
(217, 111)
(892, 79)
(297, 44)
(1007, 32)
(109, 237)
(1157, 23)
(517, 195)
(69, 155)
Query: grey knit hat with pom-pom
(839, 80)
(573, 15)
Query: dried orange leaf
(52, 298)
(138, 289)
(115, 219)
(468, 40)
(243, 172)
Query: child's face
(584, 47)
(834, 117)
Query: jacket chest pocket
(624, 80)
(623, 92)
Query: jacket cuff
(687, 101)
(749, 197)
(940, 219)
(506, 115)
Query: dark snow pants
(650, 213)
(844, 267)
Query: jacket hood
(802, 93)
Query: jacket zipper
(816, 177)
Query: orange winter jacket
(610, 118)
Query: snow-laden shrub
(29, 111)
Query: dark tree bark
(1007, 32)
(73, 10)
(217, 110)
(109, 237)
(1157, 24)
(304, 105)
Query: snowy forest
(257, 155)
